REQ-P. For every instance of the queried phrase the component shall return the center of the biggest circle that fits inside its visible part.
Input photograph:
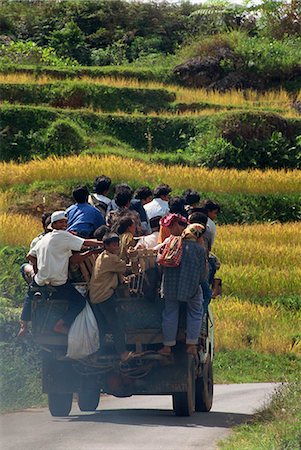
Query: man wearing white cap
(50, 258)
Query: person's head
(123, 187)
(194, 232)
(100, 232)
(58, 220)
(126, 225)
(162, 191)
(177, 206)
(175, 222)
(123, 198)
(191, 197)
(144, 194)
(46, 220)
(198, 217)
(211, 208)
(81, 194)
(155, 223)
(102, 185)
(111, 243)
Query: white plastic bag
(83, 336)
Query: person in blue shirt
(83, 218)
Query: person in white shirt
(211, 209)
(50, 259)
(151, 240)
(159, 205)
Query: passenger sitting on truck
(50, 258)
(126, 230)
(108, 271)
(83, 219)
(26, 269)
(176, 205)
(99, 198)
(120, 206)
(151, 240)
(192, 199)
(182, 284)
(175, 225)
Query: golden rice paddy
(87, 167)
(278, 99)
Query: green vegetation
(239, 139)
(85, 95)
(276, 426)
(247, 366)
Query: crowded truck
(118, 298)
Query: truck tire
(184, 402)
(204, 388)
(59, 404)
(88, 399)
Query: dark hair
(177, 206)
(191, 197)
(44, 218)
(161, 190)
(109, 238)
(143, 193)
(198, 217)
(210, 205)
(155, 223)
(124, 223)
(122, 197)
(100, 232)
(101, 184)
(123, 187)
(80, 194)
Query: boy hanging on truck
(50, 258)
(108, 272)
(182, 284)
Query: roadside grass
(134, 172)
(248, 366)
(241, 324)
(276, 426)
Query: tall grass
(18, 229)
(278, 99)
(265, 329)
(87, 167)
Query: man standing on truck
(50, 258)
(182, 284)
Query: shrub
(63, 137)
(30, 53)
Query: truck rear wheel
(204, 388)
(59, 404)
(88, 399)
(184, 402)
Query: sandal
(165, 351)
(191, 349)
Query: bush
(63, 137)
(248, 140)
(78, 95)
(30, 53)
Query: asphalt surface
(134, 423)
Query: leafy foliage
(30, 53)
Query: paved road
(134, 423)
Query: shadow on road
(159, 417)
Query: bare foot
(165, 351)
(191, 349)
(23, 329)
(60, 327)
(126, 355)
